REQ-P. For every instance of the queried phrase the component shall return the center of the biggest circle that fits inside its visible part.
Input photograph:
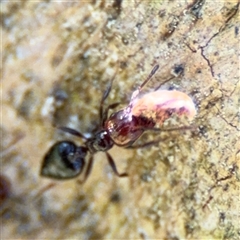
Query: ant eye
(64, 160)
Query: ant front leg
(113, 166)
(88, 170)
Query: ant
(66, 160)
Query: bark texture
(57, 60)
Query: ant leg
(138, 90)
(88, 170)
(104, 97)
(72, 131)
(44, 189)
(143, 145)
(154, 70)
(113, 166)
(171, 129)
(163, 83)
(178, 72)
(151, 143)
(105, 114)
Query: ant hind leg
(151, 143)
(169, 79)
(143, 145)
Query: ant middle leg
(113, 166)
(88, 170)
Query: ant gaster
(66, 160)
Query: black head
(64, 160)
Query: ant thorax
(100, 142)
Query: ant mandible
(66, 160)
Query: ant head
(64, 160)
